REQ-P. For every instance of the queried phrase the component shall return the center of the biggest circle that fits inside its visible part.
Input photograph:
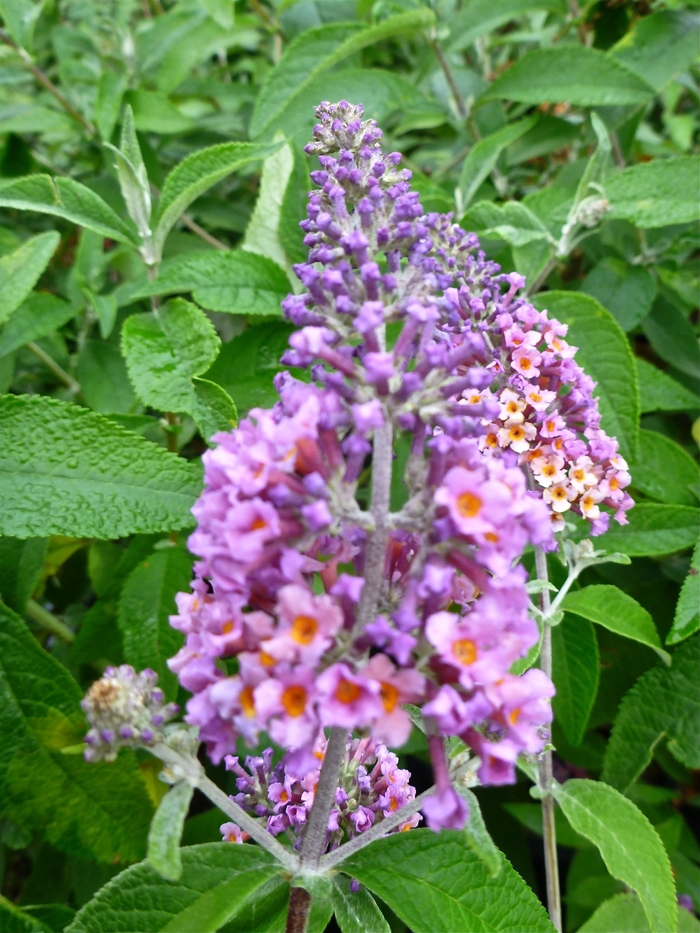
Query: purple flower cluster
(371, 788)
(124, 710)
(405, 327)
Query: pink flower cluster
(371, 788)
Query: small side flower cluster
(371, 788)
(124, 710)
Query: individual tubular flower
(371, 788)
(124, 710)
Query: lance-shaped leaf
(436, 884)
(195, 174)
(629, 844)
(686, 620)
(484, 154)
(478, 17)
(66, 198)
(133, 178)
(654, 530)
(21, 563)
(665, 471)
(478, 836)
(356, 911)
(218, 879)
(38, 315)
(575, 671)
(624, 914)
(660, 392)
(662, 704)
(262, 233)
(166, 831)
(95, 811)
(615, 610)
(313, 53)
(19, 271)
(68, 471)
(656, 194)
(660, 46)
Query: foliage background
(500, 107)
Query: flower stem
(48, 621)
(551, 863)
(317, 827)
(298, 910)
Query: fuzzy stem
(546, 775)
(349, 848)
(194, 773)
(51, 364)
(298, 910)
(450, 78)
(317, 827)
(48, 621)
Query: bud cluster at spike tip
(371, 787)
(281, 536)
(124, 710)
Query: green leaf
(164, 350)
(315, 52)
(672, 336)
(108, 102)
(154, 112)
(20, 17)
(659, 392)
(663, 703)
(529, 815)
(624, 914)
(686, 620)
(133, 178)
(654, 530)
(657, 193)
(513, 222)
(262, 232)
(481, 16)
(356, 911)
(436, 884)
(628, 843)
(218, 879)
(626, 291)
(233, 281)
(21, 563)
(214, 409)
(575, 672)
(38, 315)
(68, 471)
(15, 920)
(95, 811)
(483, 156)
(478, 836)
(616, 611)
(660, 46)
(166, 831)
(65, 198)
(575, 74)
(19, 271)
(664, 470)
(606, 357)
(195, 174)
(104, 381)
(147, 601)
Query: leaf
(133, 178)
(21, 563)
(154, 112)
(108, 102)
(484, 154)
(164, 350)
(628, 843)
(195, 174)
(218, 881)
(574, 74)
(605, 355)
(436, 884)
(654, 530)
(624, 914)
(481, 16)
(68, 471)
(686, 620)
(672, 336)
(15, 920)
(214, 409)
(478, 836)
(657, 193)
(659, 392)
(65, 198)
(575, 672)
(164, 852)
(262, 232)
(663, 703)
(315, 52)
(664, 470)
(356, 911)
(38, 315)
(626, 291)
(233, 281)
(20, 17)
(95, 811)
(616, 611)
(19, 271)
(512, 221)
(104, 381)
(660, 46)
(147, 601)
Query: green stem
(48, 621)
(54, 367)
